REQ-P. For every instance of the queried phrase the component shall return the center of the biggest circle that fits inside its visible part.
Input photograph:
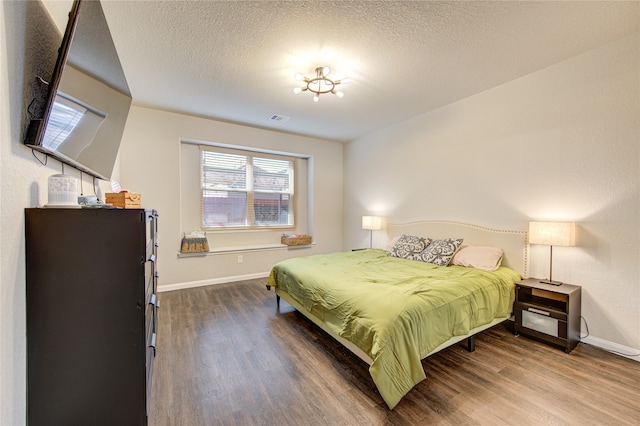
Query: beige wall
(28, 47)
(150, 164)
(559, 144)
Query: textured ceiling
(235, 60)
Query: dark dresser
(91, 282)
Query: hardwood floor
(227, 356)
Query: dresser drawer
(149, 320)
(149, 271)
(150, 251)
(150, 288)
(151, 355)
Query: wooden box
(125, 200)
(295, 240)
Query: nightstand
(548, 312)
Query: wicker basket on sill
(194, 245)
(296, 240)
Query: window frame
(249, 190)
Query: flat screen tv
(88, 97)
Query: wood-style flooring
(227, 356)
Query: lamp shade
(373, 223)
(552, 233)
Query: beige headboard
(514, 243)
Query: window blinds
(245, 189)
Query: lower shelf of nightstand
(547, 338)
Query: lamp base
(550, 282)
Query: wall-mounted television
(88, 97)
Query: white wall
(150, 164)
(29, 43)
(559, 144)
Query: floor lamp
(372, 223)
(552, 234)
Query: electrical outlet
(240, 258)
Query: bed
(392, 309)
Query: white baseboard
(615, 348)
(213, 281)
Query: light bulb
(345, 81)
(316, 98)
(326, 71)
(299, 76)
(297, 90)
(339, 93)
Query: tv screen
(88, 99)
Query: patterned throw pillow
(409, 247)
(440, 252)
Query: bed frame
(514, 244)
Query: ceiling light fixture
(320, 84)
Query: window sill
(245, 249)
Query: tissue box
(194, 245)
(125, 200)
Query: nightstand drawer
(542, 310)
(539, 322)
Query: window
(242, 189)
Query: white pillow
(486, 258)
(392, 243)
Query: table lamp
(372, 223)
(552, 234)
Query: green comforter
(395, 310)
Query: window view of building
(240, 190)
